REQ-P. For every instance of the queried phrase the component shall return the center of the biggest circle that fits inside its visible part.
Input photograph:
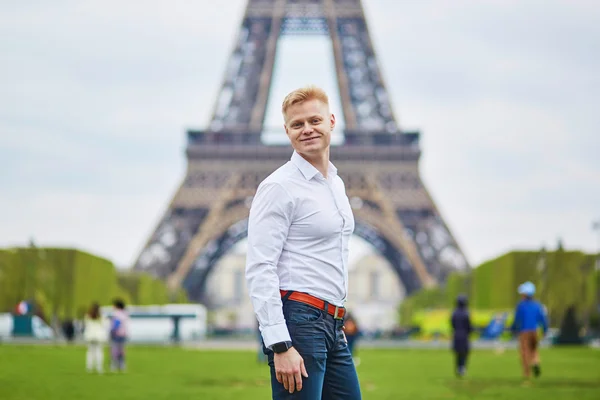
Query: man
(297, 262)
(461, 329)
(529, 314)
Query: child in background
(94, 335)
(118, 336)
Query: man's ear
(332, 121)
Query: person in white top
(299, 228)
(95, 335)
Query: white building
(374, 293)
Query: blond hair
(304, 94)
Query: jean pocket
(301, 314)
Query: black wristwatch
(281, 347)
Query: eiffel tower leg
(342, 77)
(169, 240)
(205, 233)
(260, 104)
(400, 236)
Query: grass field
(31, 372)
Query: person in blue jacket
(461, 329)
(529, 315)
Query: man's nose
(307, 128)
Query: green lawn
(30, 372)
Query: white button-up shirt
(298, 233)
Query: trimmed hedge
(422, 300)
(64, 282)
(61, 282)
(146, 290)
(456, 284)
(494, 285)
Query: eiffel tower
(377, 161)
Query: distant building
(375, 292)
(230, 303)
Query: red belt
(335, 311)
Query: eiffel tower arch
(377, 161)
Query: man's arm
(268, 226)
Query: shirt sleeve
(268, 226)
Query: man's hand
(289, 369)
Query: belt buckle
(335, 313)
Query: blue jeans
(320, 341)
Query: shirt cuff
(275, 334)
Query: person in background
(461, 329)
(68, 329)
(529, 314)
(94, 335)
(351, 332)
(118, 336)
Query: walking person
(529, 315)
(461, 330)
(297, 262)
(95, 336)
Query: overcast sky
(95, 99)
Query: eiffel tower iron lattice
(377, 161)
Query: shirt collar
(307, 169)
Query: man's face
(309, 125)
